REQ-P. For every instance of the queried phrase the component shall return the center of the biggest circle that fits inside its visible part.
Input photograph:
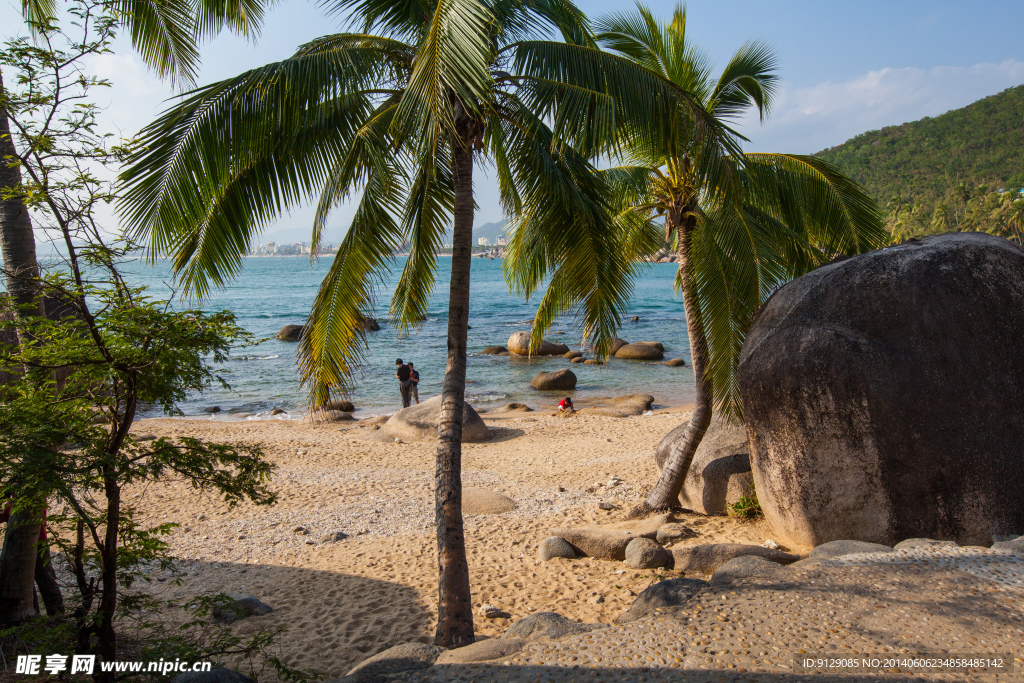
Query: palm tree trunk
(454, 605)
(18, 246)
(684, 444)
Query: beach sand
(342, 601)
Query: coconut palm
(165, 33)
(396, 112)
(741, 227)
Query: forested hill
(983, 143)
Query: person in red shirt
(46, 577)
(566, 404)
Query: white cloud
(810, 119)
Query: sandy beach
(344, 600)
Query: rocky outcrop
(632, 404)
(573, 354)
(883, 397)
(845, 547)
(482, 651)
(667, 594)
(640, 352)
(746, 567)
(407, 657)
(617, 344)
(609, 541)
(239, 606)
(519, 344)
(705, 559)
(547, 626)
(720, 472)
(562, 380)
(419, 422)
(494, 351)
(657, 345)
(370, 324)
(290, 332)
(342, 405)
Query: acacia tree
(743, 224)
(398, 110)
(165, 33)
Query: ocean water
(275, 291)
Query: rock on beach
(640, 352)
(419, 422)
(882, 395)
(519, 344)
(562, 380)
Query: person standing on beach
(415, 389)
(404, 373)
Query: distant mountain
(962, 170)
(489, 230)
(983, 143)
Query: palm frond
(163, 32)
(332, 344)
(748, 79)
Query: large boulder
(419, 422)
(632, 404)
(746, 567)
(640, 352)
(617, 344)
(882, 395)
(482, 651)
(519, 344)
(720, 472)
(562, 380)
(645, 553)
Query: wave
(272, 356)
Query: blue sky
(846, 67)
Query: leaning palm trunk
(454, 609)
(18, 557)
(682, 444)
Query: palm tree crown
(397, 110)
(743, 223)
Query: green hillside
(944, 173)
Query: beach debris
(547, 626)
(552, 547)
(562, 380)
(492, 612)
(596, 600)
(301, 530)
(606, 506)
(674, 531)
(645, 553)
(334, 537)
(770, 544)
(407, 657)
(237, 606)
(662, 595)
(518, 406)
(614, 481)
(398, 440)
(290, 332)
(560, 489)
(705, 559)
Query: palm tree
(743, 223)
(399, 109)
(165, 34)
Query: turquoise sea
(275, 291)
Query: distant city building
(502, 241)
(482, 241)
